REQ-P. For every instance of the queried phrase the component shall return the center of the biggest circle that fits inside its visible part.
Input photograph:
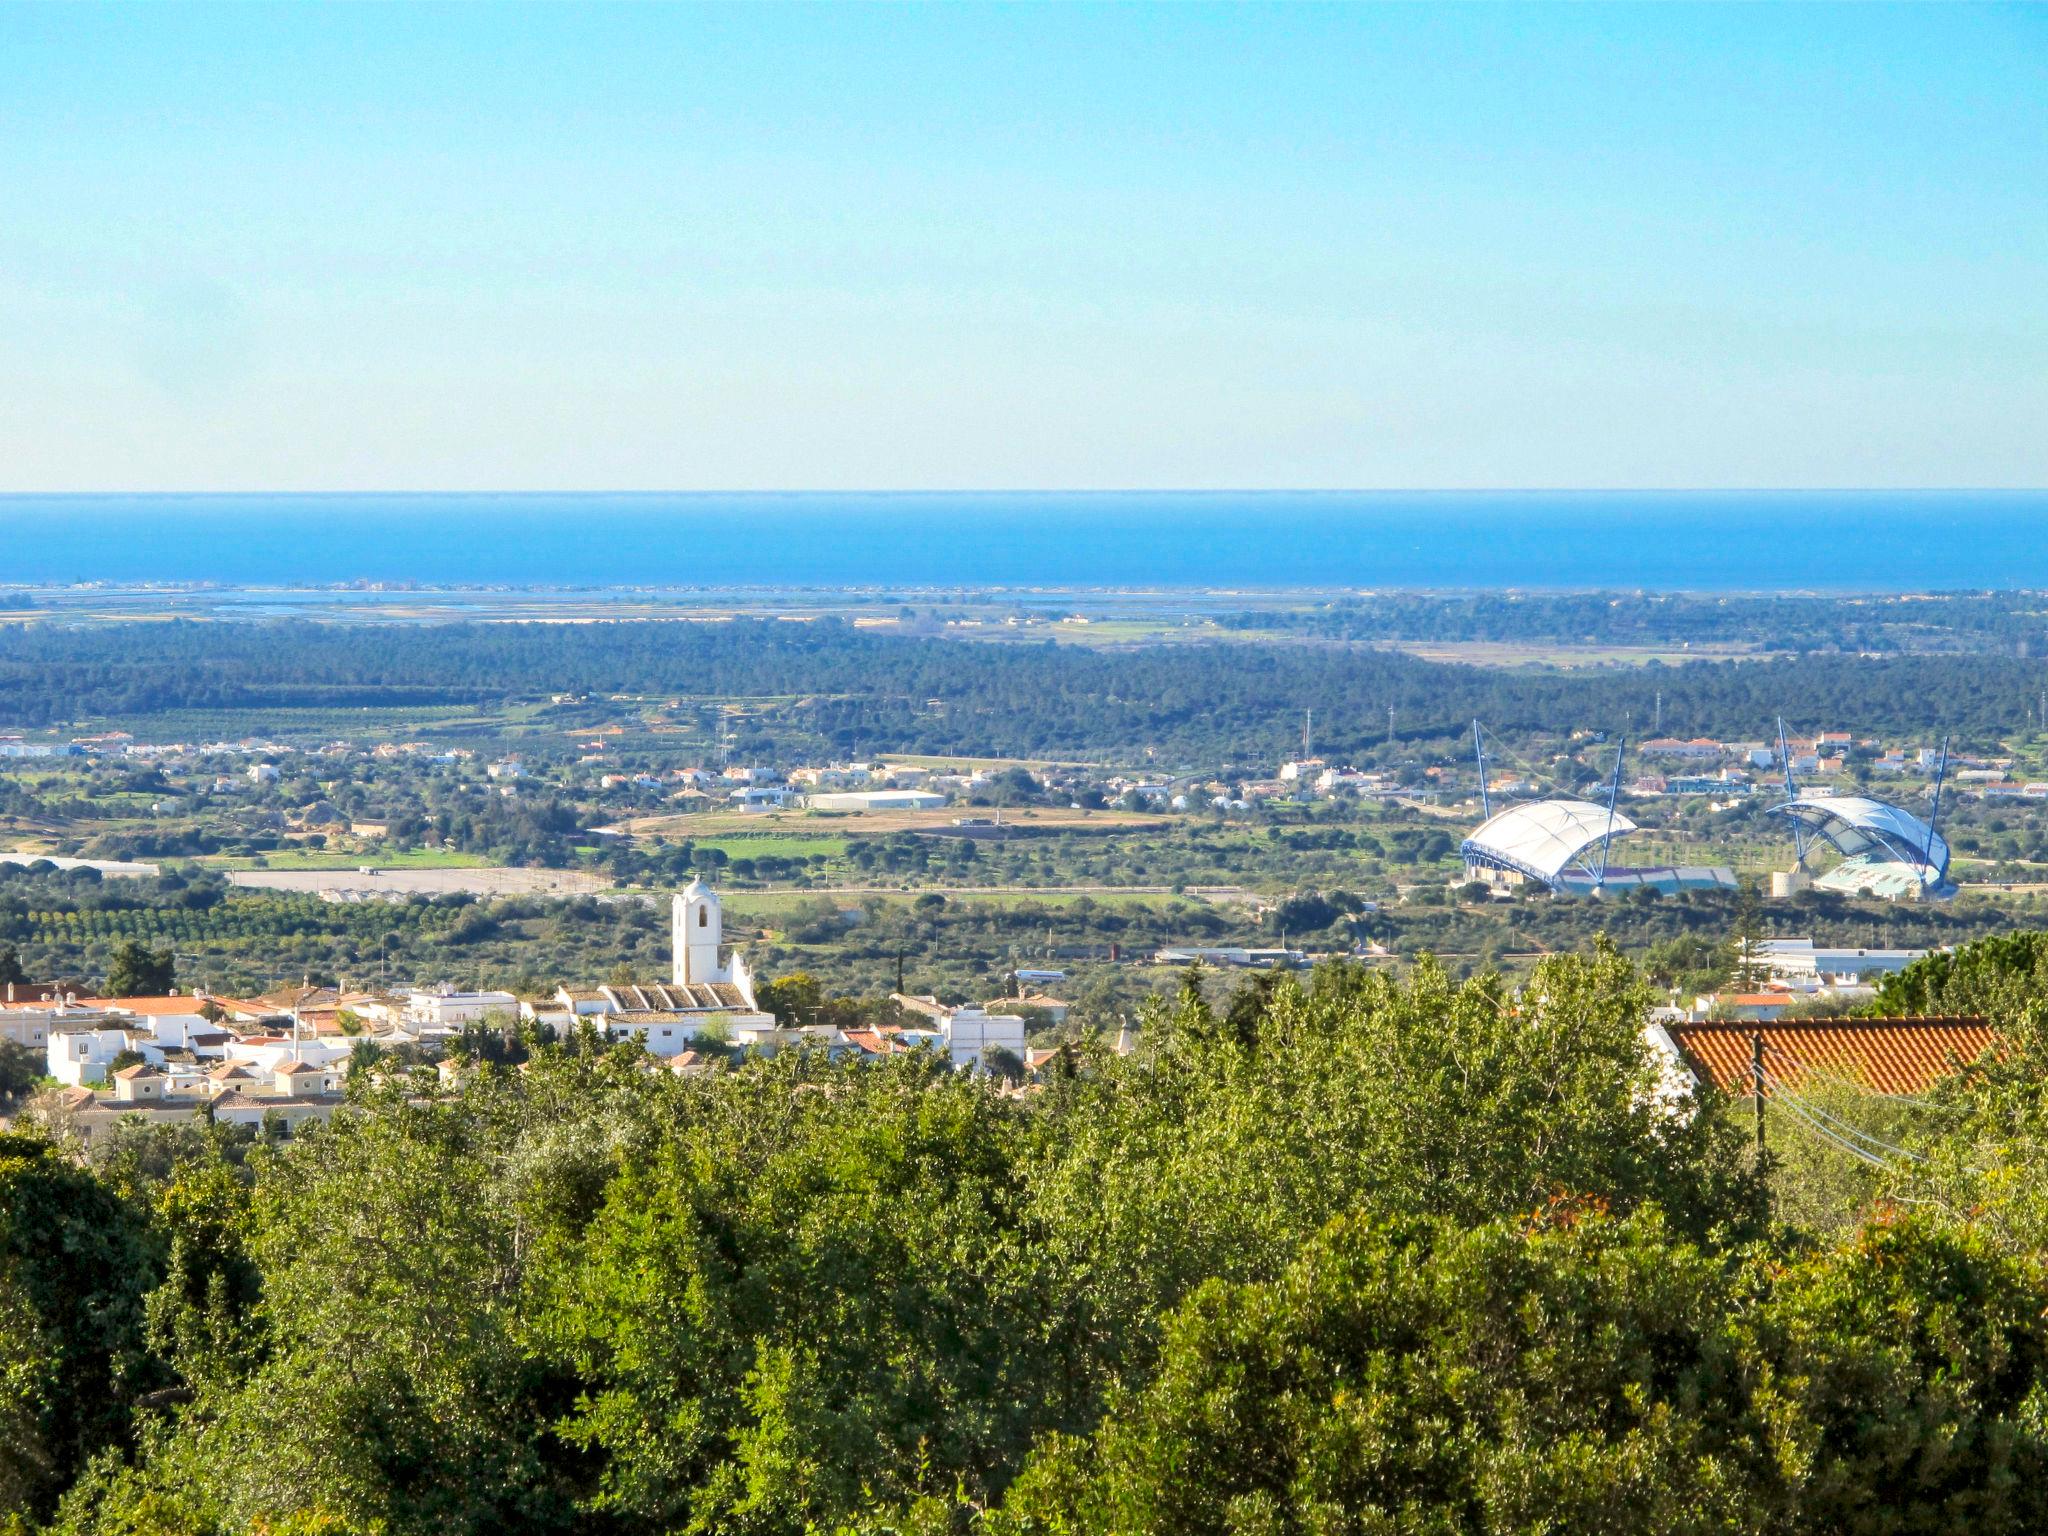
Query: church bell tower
(697, 932)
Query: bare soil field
(1501, 653)
(426, 882)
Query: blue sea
(1686, 541)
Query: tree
(1575, 1371)
(11, 972)
(1002, 1062)
(20, 1068)
(793, 999)
(139, 971)
(75, 1264)
(1746, 938)
(1999, 978)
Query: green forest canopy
(1220, 702)
(1361, 1255)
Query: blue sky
(351, 247)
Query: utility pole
(1657, 719)
(1756, 1083)
(1390, 725)
(1308, 717)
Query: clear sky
(395, 246)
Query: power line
(1952, 1110)
(1831, 1138)
(1791, 1095)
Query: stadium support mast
(1613, 795)
(1934, 818)
(1479, 755)
(1791, 794)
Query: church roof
(676, 997)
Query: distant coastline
(1732, 541)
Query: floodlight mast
(1613, 794)
(1479, 756)
(1791, 794)
(1934, 819)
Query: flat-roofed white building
(878, 800)
(446, 1008)
(1797, 959)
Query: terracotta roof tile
(1891, 1056)
(147, 1007)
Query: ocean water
(1689, 541)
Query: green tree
(1999, 978)
(803, 1299)
(136, 970)
(793, 999)
(1748, 970)
(75, 1264)
(21, 1067)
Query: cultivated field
(426, 882)
(707, 824)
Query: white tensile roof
(1542, 838)
(1858, 825)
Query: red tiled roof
(147, 1007)
(1892, 1056)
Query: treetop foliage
(1352, 1254)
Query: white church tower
(697, 931)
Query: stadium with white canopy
(1563, 845)
(1886, 851)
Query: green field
(321, 858)
(773, 845)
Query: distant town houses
(282, 1061)
(710, 1002)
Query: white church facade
(708, 990)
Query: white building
(877, 800)
(965, 1034)
(1801, 959)
(79, 1052)
(971, 1033)
(443, 1007)
(760, 797)
(266, 1054)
